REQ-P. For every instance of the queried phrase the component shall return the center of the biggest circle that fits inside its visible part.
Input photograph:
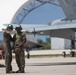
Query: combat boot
(10, 72)
(19, 71)
(23, 71)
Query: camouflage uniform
(8, 51)
(19, 54)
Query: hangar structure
(10, 9)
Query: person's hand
(18, 46)
(8, 31)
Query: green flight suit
(8, 51)
(19, 55)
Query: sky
(43, 15)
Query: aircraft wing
(62, 31)
(69, 8)
(59, 30)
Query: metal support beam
(32, 6)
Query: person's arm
(5, 36)
(14, 38)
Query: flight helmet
(10, 26)
(18, 27)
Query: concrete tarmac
(45, 66)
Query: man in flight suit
(7, 48)
(19, 40)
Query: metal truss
(33, 5)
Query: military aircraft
(63, 28)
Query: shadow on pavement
(1, 65)
(52, 64)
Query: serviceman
(19, 40)
(7, 48)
